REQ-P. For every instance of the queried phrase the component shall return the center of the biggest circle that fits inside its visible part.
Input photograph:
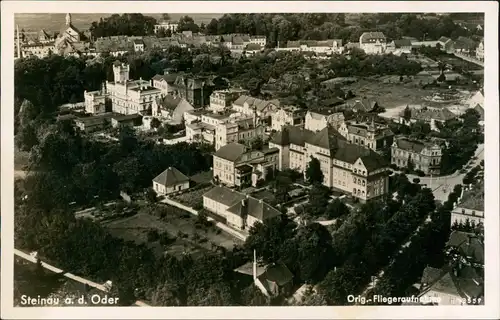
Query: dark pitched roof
(410, 145)
(232, 151)
(468, 244)
(327, 138)
(277, 273)
(402, 43)
(255, 208)
(168, 102)
(171, 177)
(371, 36)
(364, 105)
(441, 114)
(126, 117)
(169, 77)
(292, 135)
(464, 283)
(373, 161)
(444, 39)
(224, 195)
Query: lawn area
(183, 235)
(202, 177)
(193, 198)
(388, 95)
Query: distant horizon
(34, 22)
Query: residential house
(480, 51)
(317, 120)
(235, 165)
(373, 42)
(95, 101)
(201, 124)
(166, 25)
(138, 45)
(326, 47)
(40, 50)
(372, 135)
(221, 100)
(262, 109)
(364, 105)
(467, 248)
(272, 280)
(260, 40)
(45, 37)
(171, 108)
(196, 90)
(130, 96)
(239, 210)
(164, 81)
(348, 168)
(424, 156)
(121, 120)
(169, 181)
(427, 115)
(452, 285)
(461, 215)
(446, 44)
(94, 123)
(287, 115)
(242, 129)
(464, 45)
(400, 46)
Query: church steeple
(68, 19)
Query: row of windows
(359, 181)
(362, 172)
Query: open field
(54, 21)
(388, 95)
(175, 222)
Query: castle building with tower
(130, 96)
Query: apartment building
(317, 120)
(371, 135)
(349, 168)
(236, 165)
(263, 109)
(373, 42)
(424, 156)
(287, 115)
(428, 115)
(221, 100)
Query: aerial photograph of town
(249, 159)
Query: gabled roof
(327, 138)
(226, 196)
(441, 114)
(277, 274)
(465, 283)
(168, 102)
(231, 152)
(468, 244)
(169, 77)
(444, 39)
(171, 177)
(402, 43)
(410, 145)
(255, 208)
(364, 105)
(252, 102)
(371, 36)
(291, 135)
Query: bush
(420, 173)
(218, 231)
(394, 166)
(181, 235)
(196, 237)
(153, 235)
(416, 180)
(165, 239)
(481, 163)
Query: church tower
(68, 19)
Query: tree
(313, 172)
(216, 295)
(319, 197)
(166, 295)
(252, 296)
(155, 123)
(27, 137)
(257, 144)
(165, 17)
(150, 195)
(315, 256)
(336, 209)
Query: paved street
(443, 186)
